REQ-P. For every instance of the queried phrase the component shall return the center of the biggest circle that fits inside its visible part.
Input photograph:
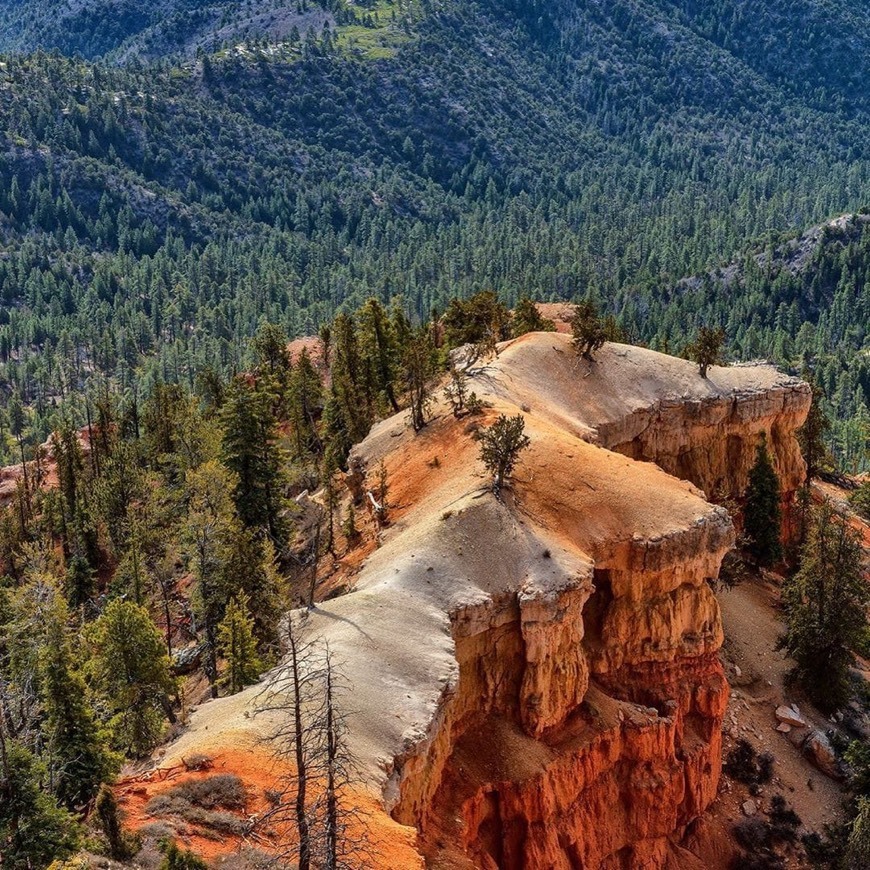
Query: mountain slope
(151, 216)
(124, 29)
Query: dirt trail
(752, 628)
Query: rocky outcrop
(586, 722)
(535, 675)
(712, 441)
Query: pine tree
(587, 330)
(456, 392)
(811, 436)
(527, 318)
(348, 526)
(252, 569)
(331, 501)
(251, 451)
(858, 846)
(212, 526)
(706, 349)
(176, 858)
(305, 406)
(121, 845)
(761, 511)
(34, 831)
(378, 349)
(826, 608)
(269, 346)
(418, 367)
(79, 758)
(273, 367)
(350, 387)
(130, 671)
(860, 500)
(17, 424)
(160, 417)
(501, 445)
(79, 581)
(238, 646)
(479, 320)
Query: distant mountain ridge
(126, 29)
(160, 212)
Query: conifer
(130, 671)
(501, 445)
(706, 349)
(238, 646)
(826, 605)
(761, 512)
(527, 318)
(587, 330)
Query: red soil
(389, 845)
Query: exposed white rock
(791, 716)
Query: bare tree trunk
(315, 560)
(211, 640)
(23, 464)
(4, 758)
(167, 615)
(331, 766)
(299, 749)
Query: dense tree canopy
(154, 215)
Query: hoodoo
(535, 679)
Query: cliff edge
(535, 678)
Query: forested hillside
(185, 186)
(125, 29)
(803, 302)
(152, 216)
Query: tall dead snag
(291, 695)
(331, 772)
(308, 738)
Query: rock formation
(535, 677)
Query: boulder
(818, 749)
(186, 661)
(791, 716)
(749, 808)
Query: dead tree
(332, 767)
(315, 555)
(292, 695)
(309, 738)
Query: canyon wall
(585, 724)
(584, 730)
(712, 441)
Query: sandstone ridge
(535, 677)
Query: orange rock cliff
(535, 678)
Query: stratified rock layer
(535, 677)
(564, 772)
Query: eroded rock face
(597, 738)
(585, 724)
(712, 441)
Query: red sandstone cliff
(535, 679)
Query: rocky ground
(773, 716)
(757, 674)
